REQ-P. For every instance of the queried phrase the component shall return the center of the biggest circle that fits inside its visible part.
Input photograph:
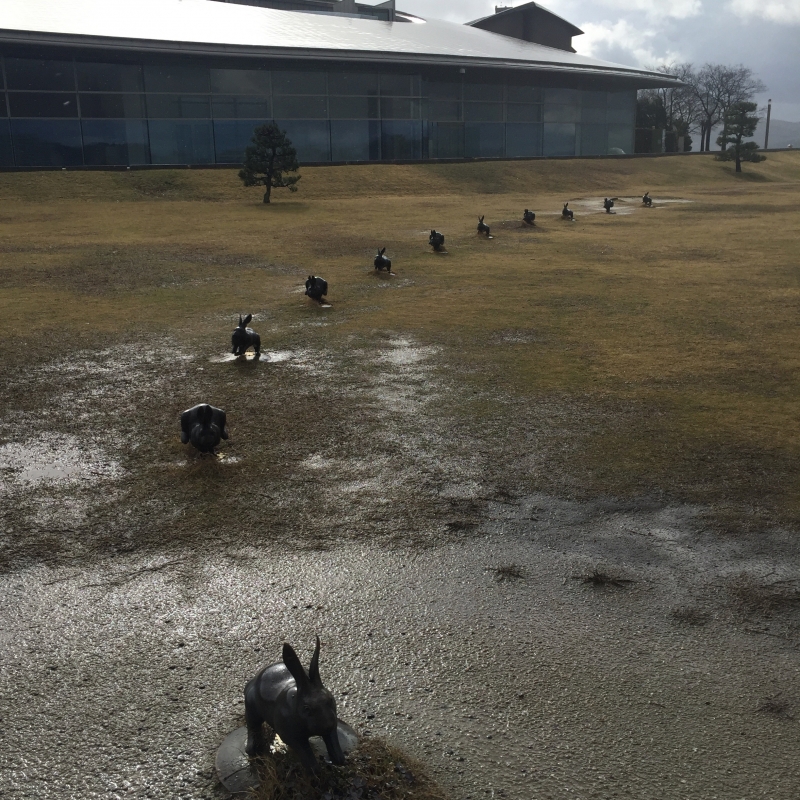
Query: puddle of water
(276, 356)
(404, 353)
(228, 357)
(270, 356)
(53, 458)
(317, 462)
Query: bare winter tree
(681, 108)
(676, 105)
(716, 88)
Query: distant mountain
(781, 133)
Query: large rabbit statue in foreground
(295, 705)
(244, 338)
(203, 426)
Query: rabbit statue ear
(240, 320)
(294, 666)
(246, 319)
(313, 670)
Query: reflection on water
(250, 355)
(53, 458)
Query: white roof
(209, 27)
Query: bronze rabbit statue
(243, 338)
(436, 240)
(382, 261)
(316, 288)
(203, 426)
(295, 705)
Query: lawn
(650, 354)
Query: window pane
(593, 112)
(299, 83)
(594, 140)
(559, 140)
(6, 153)
(518, 113)
(29, 73)
(397, 85)
(110, 77)
(620, 138)
(524, 94)
(181, 142)
(226, 107)
(400, 140)
(353, 108)
(523, 140)
(231, 137)
(443, 90)
(558, 113)
(173, 78)
(240, 81)
(118, 106)
(483, 112)
(115, 141)
(311, 139)
(622, 101)
(43, 104)
(178, 106)
(485, 140)
(443, 110)
(564, 96)
(352, 83)
(301, 107)
(3, 106)
(399, 108)
(484, 91)
(621, 108)
(445, 140)
(47, 143)
(355, 140)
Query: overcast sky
(761, 34)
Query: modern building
(133, 82)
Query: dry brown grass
(653, 354)
(374, 771)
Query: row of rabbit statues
(294, 703)
(204, 426)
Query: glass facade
(77, 112)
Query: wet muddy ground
(520, 645)
(536, 494)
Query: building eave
(642, 78)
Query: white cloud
(772, 10)
(622, 41)
(658, 9)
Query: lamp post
(766, 133)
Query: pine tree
(267, 159)
(740, 122)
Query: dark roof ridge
(512, 10)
